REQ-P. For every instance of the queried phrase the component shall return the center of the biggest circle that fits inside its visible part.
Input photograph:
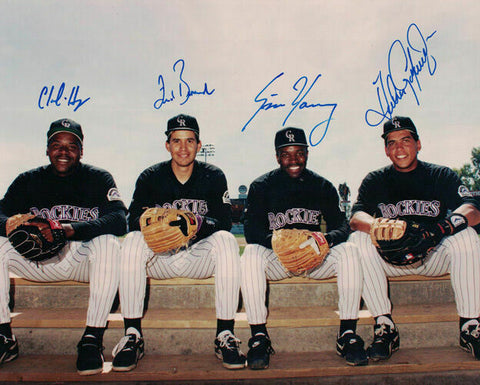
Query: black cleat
(350, 347)
(258, 357)
(227, 349)
(128, 351)
(8, 349)
(385, 341)
(90, 356)
(470, 340)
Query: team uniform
(432, 202)
(213, 252)
(281, 199)
(199, 190)
(424, 195)
(87, 199)
(277, 201)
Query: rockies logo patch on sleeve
(113, 195)
(463, 191)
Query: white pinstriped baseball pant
(458, 255)
(217, 255)
(96, 261)
(260, 264)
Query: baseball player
(432, 196)
(85, 202)
(292, 196)
(186, 184)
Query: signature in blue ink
(50, 96)
(302, 87)
(184, 90)
(392, 88)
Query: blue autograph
(392, 88)
(184, 89)
(50, 97)
(302, 88)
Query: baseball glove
(36, 238)
(401, 242)
(299, 250)
(168, 229)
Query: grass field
(241, 241)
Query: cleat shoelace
(229, 342)
(382, 330)
(121, 344)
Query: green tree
(470, 173)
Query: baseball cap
(398, 123)
(65, 125)
(290, 136)
(182, 122)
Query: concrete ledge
(211, 281)
(181, 294)
(192, 331)
(297, 317)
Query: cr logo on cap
(65, 123)
(181, 122)
(290, 136)
(396, 123)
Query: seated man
(200, 189)
(82, 203)
(293, 197)
(437, 211)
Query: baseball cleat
(470, 339)
(8, 349)
(128, 351)
(227, 349)
(90, 356)
(350, 347)
(258, 356)
(385, 341)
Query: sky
(244, 69)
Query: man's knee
(225, 237)
(252, 256)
